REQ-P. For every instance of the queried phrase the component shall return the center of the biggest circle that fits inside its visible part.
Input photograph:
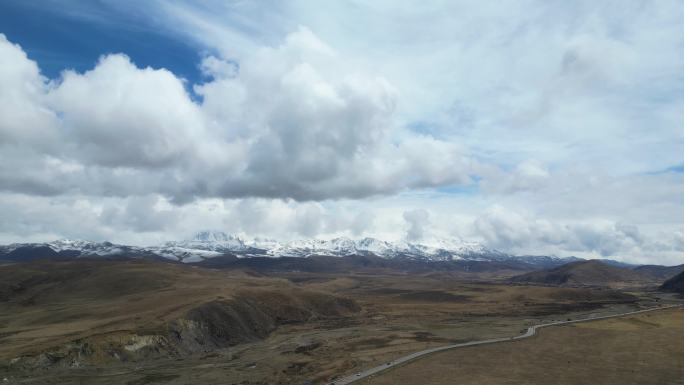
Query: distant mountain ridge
(210, 244)
(584, 273)
(660, 272)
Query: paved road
(531, 331)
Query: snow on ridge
(217, 241)
(342, 246)
(211, 244)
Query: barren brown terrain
(140, 322)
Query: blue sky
(532, 126)
(58, 39)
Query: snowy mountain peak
(342, 244)
(213, 236)
(211, 244)
(65, 243)
(264, 243)
(374, 245)
(216, 241)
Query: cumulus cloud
(508, 229)
(546, 131)
(23, 115)
(118, 115)
(417, 221)
(284, 126)
(151, 219)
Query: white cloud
(23, 117)
(592, 237)
(285, 126)
(417, 220)
(140, 214)
(118, 115)
(535, 127)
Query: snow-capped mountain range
(209, 244)
(439, 250)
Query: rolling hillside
(659, 272)
(584, 273)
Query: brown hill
(71, 313)
(675, 284)
(584, 273)
(658, 272)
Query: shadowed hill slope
(675, 284)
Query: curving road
(531, 331)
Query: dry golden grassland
(641, 350)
